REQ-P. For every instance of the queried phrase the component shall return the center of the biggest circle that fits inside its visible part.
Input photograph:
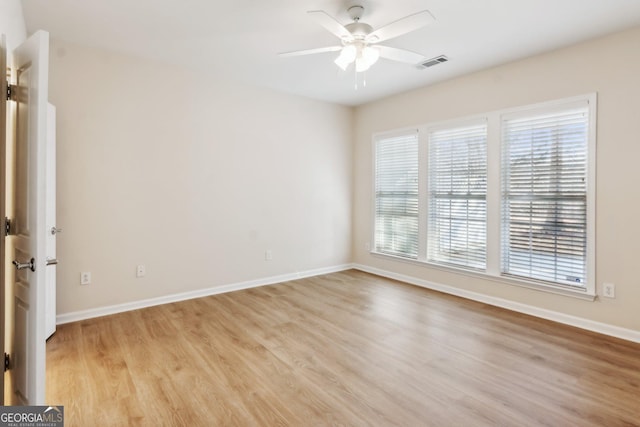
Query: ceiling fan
(359, 41)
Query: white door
(52, 230)
(28, 245)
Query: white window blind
(457, 222)
(396, 195)
(544, 196)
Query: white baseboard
(579, 322)
(135, 305)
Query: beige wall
(609, 66)
(192, 176)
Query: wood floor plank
(348, 349)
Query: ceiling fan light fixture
(340, 62)
(350, 52)
(366, 58)
(347, 55)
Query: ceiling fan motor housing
(359, 30)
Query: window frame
(494, 197)
(552, 107)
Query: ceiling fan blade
(330, 23)
(400, 55)
(310, 51)
(401, 26)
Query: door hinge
(7, 226)
(12, 92)
(7, 362)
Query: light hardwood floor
(341, 349)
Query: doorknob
(23, 265)
(55, 230)
(52, 261)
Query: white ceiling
(241, 38)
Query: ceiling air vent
(433, 61)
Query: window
(508, 195)
(457, 220)
(544, 200)
(396, 195)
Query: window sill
(538, 286)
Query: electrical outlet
(141, 270)
(609, 290)
(85, 278)
(268, 255)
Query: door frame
(3, 187)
